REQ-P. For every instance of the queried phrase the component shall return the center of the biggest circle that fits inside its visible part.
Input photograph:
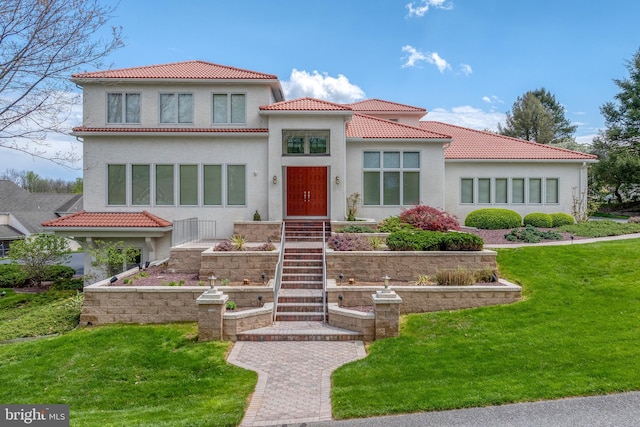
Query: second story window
(123, 108)
(229, 108)
(176, 108)
(305, 142)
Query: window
(212, 184)
(176, 108)
(517, 190)
(229, 108)
(466, 190)
(188, 185)
(164, 185)
(484, 190)
(551, 190)
(391, 178)
(236, 185)
(305, 142)
(140, 185)
(123, 108)
(116, 184)
(535, 190)
(502, 185)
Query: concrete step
(299, 307)
(295, 316)
(300, 331)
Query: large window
(391, 178)
(497, 190)
(309, 142)
(123, 108)
(140, 185)
(229, 108)
(117, 184)
(184, 185)
(176, 108)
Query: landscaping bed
(164, 276)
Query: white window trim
(124, 108)
(177, 123)
(510, 202)
(400, 169)
(228, 122)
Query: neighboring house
(22, 212)
(193, 139)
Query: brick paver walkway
(294, 383)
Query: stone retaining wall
(237, 266)
(246, 320)
(353, 320)
(371, 266)
(422, 299)
(185, 260)
(258, 231)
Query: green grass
(36, 314)
(601, 228)
(575, 333)
(133, 375)
(609, 215)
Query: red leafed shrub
(349, 242)
(428, 218)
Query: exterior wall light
(274, 179)
(337, 180)
(386, 281)
(213, 281)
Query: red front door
(307, 191)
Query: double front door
(307, 191)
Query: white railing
(193, 230)
(324, 275)
(278, 277)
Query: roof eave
(170, 134)
(275, 83)
(342, 113)
(81, 230)
(492, 160)
(388, 139)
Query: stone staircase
(300, 313)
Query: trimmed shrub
(349, 242)
(13, 276)
(559, 219)
(632, 220)
(67, 285)
(393, 224)
(493, 219)
(538, 219)
(530, 234)
(428, 218)
(356, 229)
(461, 242)
(414, 240)
(58, 272)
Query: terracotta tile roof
(305, 104)
(381, 105)
(85, 219)
(363, 126)
(81, 129)
(198, 70)
(474, 144)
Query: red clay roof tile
(169, 130)
(363, 126)
(197, 70)
(305, 104)
(85, 219)
(474, 144)
(380, 105)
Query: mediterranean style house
(197, 140)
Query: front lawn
(151, 375)
(575, 333)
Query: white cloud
(423, 6)
(492, 100)
(321, 86)
(466, 69)
(467, 116)
(414, 57)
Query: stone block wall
(353, 320)
(246, 320)
(258, 231)
(373, 265)
(185, 260)
(153, 304)
(237, 266)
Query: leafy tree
(37, 252)
(41, 43)
(618, 145)
(537, 116)
(112, 257)
(32, 182)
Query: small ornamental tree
(428, 218)
(113, 257)
(37, 252)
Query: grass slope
(152, 375)
(576, 333)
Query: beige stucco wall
(95, 102)
(570, 176)
(431, 174)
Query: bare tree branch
(42, 42)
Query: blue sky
(465, 61)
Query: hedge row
(433, 241)
(498, 219)
(15, 276)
